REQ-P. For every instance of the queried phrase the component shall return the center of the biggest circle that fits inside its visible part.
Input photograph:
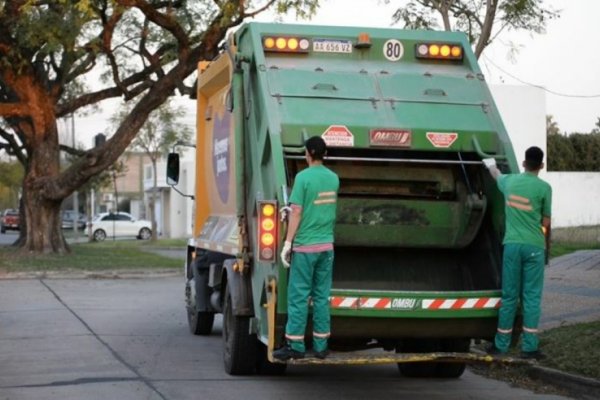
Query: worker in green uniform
(309, 249)
(528, 203)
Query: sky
(565, 61)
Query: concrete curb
(579, 386)
(101, 274)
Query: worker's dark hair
(533, 158)
(316, 147)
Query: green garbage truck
(407, 117)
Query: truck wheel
(418, 369)
(453, 370)
(3, 229)
(239, 346)
(263, 365)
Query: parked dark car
(68, 216)
(10, 220)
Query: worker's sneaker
(321, 355)
(533, 355)
(287, 353)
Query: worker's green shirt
(315, 190)
(528, 199)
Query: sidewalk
(572, 289)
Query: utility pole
(75, 194)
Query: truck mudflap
(377, 357)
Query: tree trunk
(43, 233)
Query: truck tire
(433, 369)
(263, 365)
(239, 346)
(418, 369)
(453, 370)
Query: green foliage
(560, 153)
(470, 17)
(575, 152)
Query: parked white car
(119, 225)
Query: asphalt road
(128, 339)
(8, 238)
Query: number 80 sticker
(393, 50)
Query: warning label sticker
(442, 139)
(338, 136)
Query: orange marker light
(268, 210)
(292, 44)
(269, 43)
(267, 239)
(267, 230)
(364, 41)
(286, 44)
(281, 43)
(439, 51)
(268, 224)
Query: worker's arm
(547, 233)
(293, 224)
(490, 164)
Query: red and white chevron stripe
(382, 303)
(343, 302)
(461, 304)
(379, 303)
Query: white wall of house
(575, 194)
(181, 210)
(174, 212)
(575, 198)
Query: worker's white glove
(489, 162)
(286, 254)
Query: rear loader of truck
(407, 117)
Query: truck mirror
(173, 169)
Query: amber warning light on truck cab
(267, 230)
(283, 44)
(439, 51)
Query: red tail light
(267, 230)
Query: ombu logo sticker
(390, 137)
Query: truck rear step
(372, 357)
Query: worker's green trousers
(522, 279)
(310, 278)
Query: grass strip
(573, 348)
(89, 257)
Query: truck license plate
(332, 46)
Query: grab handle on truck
(482, 154)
